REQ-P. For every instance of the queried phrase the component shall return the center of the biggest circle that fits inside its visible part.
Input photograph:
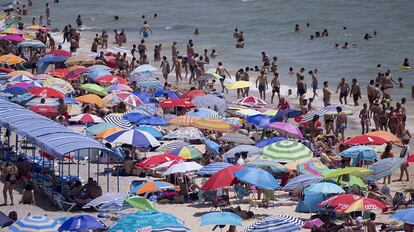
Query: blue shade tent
(285, 114)
(260, 120)
(220, 218)
(405, 215)
(265, 142)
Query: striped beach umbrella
(384, 167)
(212, 168)
(314, 168)
(107, 132)
(118, 121)
(133, 137)
(264, 163)
(35, 223)
(204, 113)
(105, 198)
(86, 118)
(171, 145)
(302, 181)
(98, 128)
(251, 151)
(59, 84)
(210, 101)
(280, 223)
(287, 151)
(309, 116)
(186, 152)
(184, 120)
(251, 102)
(213, 124)
(32, 43)
(185, 133)
(128, 98)
(152, 186)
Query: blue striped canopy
(302, 181)
(212, 168)
(34, 223)
(384, 167)
(154, 132)
(265, 142)
(279, 223)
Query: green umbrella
(140, 203)
(352, 171)
(353, 180)
(94, 88)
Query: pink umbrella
(128, 98)
(13, 38)
(23, 85)
(286, 129)
(311, 223)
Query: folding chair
(241, 192)
(62, 204)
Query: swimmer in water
(116, 17)
(336, 45)
(143, 16)
(307, 24)
(155, 15)
(406, 63)
(378, 65)
(400, 83)
(236, 33)
(145, 29)
(345, 45)
(297, 28)
(367, 36)
(291, 71)
(311, 37)
(196, 32)
(213, 53)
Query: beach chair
(220, 202)
(62, 204)
(398, 200)
(241, 192)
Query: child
(400, 83)
(28, 195)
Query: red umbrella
(60, 52)
(75, 74)
(44, 110)
(60, 73)
(46, 92)
(222, 178)
(111, 63)
(170, 103)
(365, 140)
(110, 54)
(111, 79)
(157, 160)
(346, 203)
(192, 94)
(6, 70)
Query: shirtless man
(341, 123)
(177, 66)
(262, 81)
(174, 49)
(355, 91)
(246, 77)
(301, 88)
(236, 33)
(145, 29)
(275, 87)
(326, 94)
(142, 49)
(371, 93)
(273, 67)
(298, 75)
(220, 70)
(344, 89)
(238, 76)
(314, 81)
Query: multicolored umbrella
(287, 151)
(11, 59)
(128, 98)
(185, 133)
(251, 102)
(286, 129)
(86, 118)
(314, 168)
(186, 152)
(213, 124)
(13, 31)
(347, 203)
(98, 128)
(282, 223)
(134, 137)
(46, 92)
(237, 138)
(34, 223)
(140, 203)
(21, 78)
(171, 103)
(220, 218)
(32, 43)
(223, 178)
(213, 168)
(302, 181)
(183, 167)
(210, 101)
(152, 186)
(95, 89)
(157, 160)
(257, 177)
(264, 163)
(171, 145)
(59, 84)
(107, 132)
(384, 167)
(184, 120)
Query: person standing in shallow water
(165, 68)
(262, 81)
(222, 71)
(145, 29)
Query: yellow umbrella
(213, 124)
(185, 120)
(107, 132)
(292, 165)
(11, 59)
(59, 84)
(91, 99)
(36, 27)
(18, 73)
(76, 67)
(239, 85)
(270, 112)
(80, 59)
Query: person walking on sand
(387, 154)
(341, 122)
(365, 119)
(238, 76)
(10, 172)
(222, 71)
(326, 94)
(145, 29)
(344, 89)
(246, 77)
(355, 91)
(165, 68)
(275, 86)
(177, 67)
(262, 81)
(314, 82)
(142, 49)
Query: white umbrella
(183, 167)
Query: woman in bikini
(10, 172)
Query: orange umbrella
(185, 120)
(391, 138)
(91, 99)
(107, 132)
(213, 124)
(11, 59)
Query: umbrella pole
(89, 163)
(61, 176)
(78, 164)
(107, 174)
(117, 180)
(97, 170)
(17, 145)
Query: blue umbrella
(405, 215)
(279, 223)
(151, 120)
(384, 167)
(358, 153)
(150, 108)
(325, 188)
(151, 219)
(98, 66)
(34, 223)
(302, 181)
(133, 117)
(257, 177)
(82, 222)
(154, 132)
(260, 120)
(285, 114)
(145, 97)
(69, 100)
(212, 146)
(98, 72)
(220, 218)
(212, 168)
(170, 93)
(265, 142)
(134, 137)
(52, 59)
(15, 90)
(144, 68)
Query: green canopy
(140, 203)
(94, 88)
(352, 171)
(353, 180)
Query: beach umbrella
(86, 118)
(353, 180)
(105, 198)
(151, 120)
(23, 85)
(251, 102)
(285, 114)
(302, 181)
(358, 153)
(186, 152)
(20, 72)
(12, 38)
(80, 59)
(314, 168)
(286, 129)
(251, 151)
(309, 116)
(354, 171)
(46, 92)
(58, 84)
(107, 132)
(157, 160)
(70, 101)
(184, 120)
(13, 31)
(99, 67)
(95, 89)
(287, 151)
(140, 203)
(384, 167)
(205, 113)
(317, 223)
(279, 223)
(133, 117)
(98, 73)
(388, 136)
(365, 140)
(213, 124)
(74, 74)
(212, 146)
(11, 59)
(5, 221)
(32, 43)
(234, 121)
(213, 168)
(182, 167)
(110, 80)
(210, 101)
(171, 145)
(405, 215)
(347, 203)
(247, 112)
(185, 133)
(208, 76)
(220, 218)
(265, 142)
(44, 110)
(148, 220)
(48, 59)
(60, 73)
(91, 99)
(82, 223)
(144, 68)
(237, 138)
(223, 178)
(325, 188)
(239, 85)
(34, 223)
(263, 163)
(259, 120)
(41, 77)
(148, 108)
(133, 137)
(98, 128)
(38, 101)
(15, 90)
(154, 132)
(145, 97)
(128, 98)
(149, 82)
(190, 95)
(21, 78)
(152, 186)
(37, 28)
(171, 103)
(257, 177)
(76, 67)
(60, 52)
(162, 93)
